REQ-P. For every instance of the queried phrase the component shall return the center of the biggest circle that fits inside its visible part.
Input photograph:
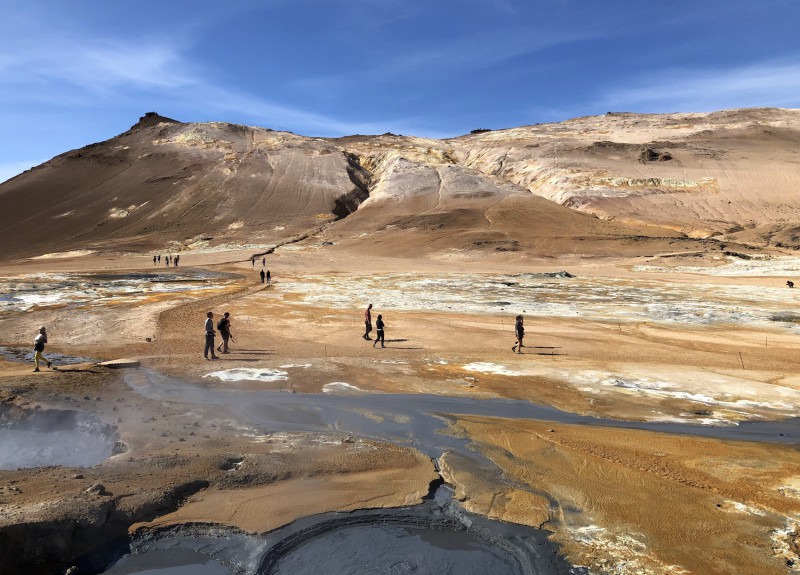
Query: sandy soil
(613, 498)
(640, 502)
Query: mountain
(608, 185)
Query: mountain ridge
(165, 183)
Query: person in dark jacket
(210, 332)
(224, 327)
(519, 331)
(378, 331)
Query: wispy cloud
(68, 70)
(773, 83)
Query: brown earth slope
(164, 181)
(624, 184)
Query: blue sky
(72, 73)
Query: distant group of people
(167, 259)
(224, 328)
(265, 276)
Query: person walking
(154, 260)
(224, 327)
(177, 259)
(378, 331)
(263, 275)
(210, 332)
(263, 262)
(269, 277)
(159, 258)
(253, 261)
(368, 322)
(38, 348)
(519, 331)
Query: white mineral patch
(295, 365)
(784, 543)
(714, 390)
(249, 374)
(71, 254)
(779, 267)
(791, 488)
(497, 369)
(503, 296)
(339, 387)
(742, 508)
(625, 553)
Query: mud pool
(26, 292)
(42, 438)
(555, 295)
(436, 536)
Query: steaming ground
(630, 340)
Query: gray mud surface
(414, 420)
(434, 537)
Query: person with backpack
(269, 277)
(519, 331)
(224, 327)
(378, 331)
(210, 332)
(262, 274)
(38, 348)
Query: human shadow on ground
(245, 350)
(396, 347)
(396, 341)
(68, 369)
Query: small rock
(196, 424)
(77, 476)
(551, 430)
(349, 439)
(97, 489)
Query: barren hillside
(614, 184)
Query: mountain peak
(152, 119)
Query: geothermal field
(648, 426)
